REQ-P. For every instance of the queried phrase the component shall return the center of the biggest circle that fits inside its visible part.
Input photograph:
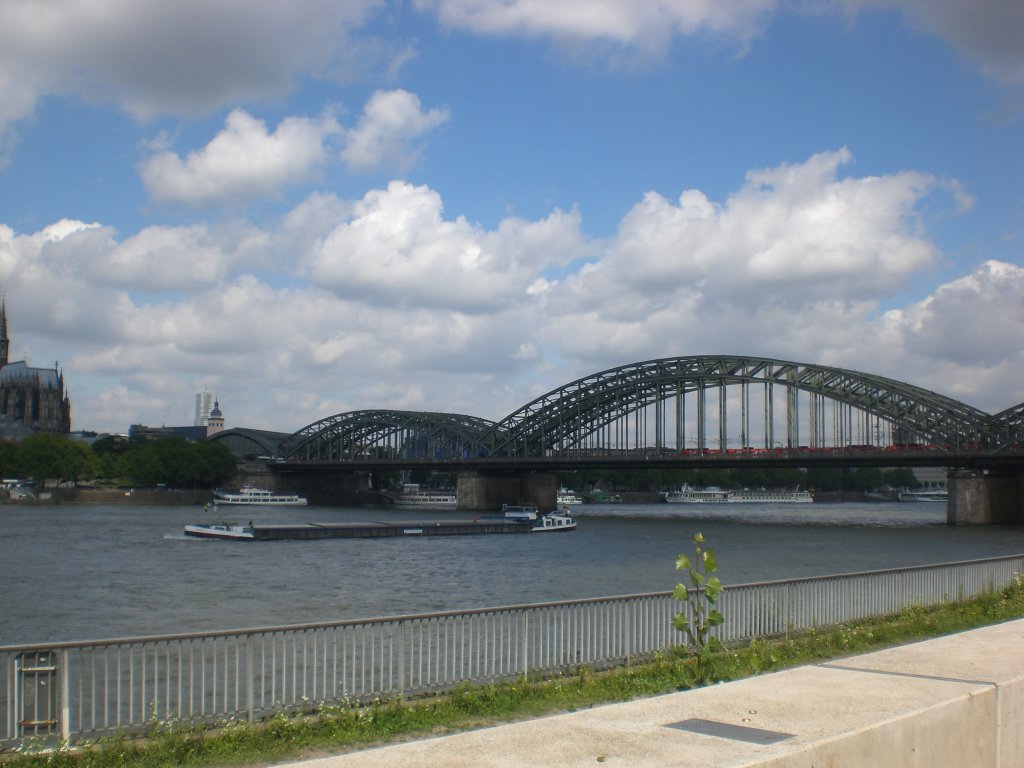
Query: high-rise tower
(204, 404)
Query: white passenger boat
(713, 495)
(528, 515)
(220, 531)
(567, 497)
(940, 494)
(413, 496)
(249, 496)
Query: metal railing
(70, 692)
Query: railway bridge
(686, 412)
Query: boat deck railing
(70, 692)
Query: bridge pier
(989, 498)
(489, 492)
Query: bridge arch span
(389, 434)
(644, 406)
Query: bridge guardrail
(75, 691)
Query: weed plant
(348, 726)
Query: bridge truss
(389, 434)
(677, 405)
(669, 404)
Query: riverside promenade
(951, 702)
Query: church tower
(5, 343)
(32, 397)
(216, 421)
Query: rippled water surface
(95, 571)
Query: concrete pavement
(955, 701)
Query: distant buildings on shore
(209, 424)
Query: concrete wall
(951, 702)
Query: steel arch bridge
(677, 405)
(389, 434)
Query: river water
(85, 572)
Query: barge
(514, 519)
(372, 530)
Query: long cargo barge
(373, 530)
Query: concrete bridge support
(320, 488)
(489, 492)
(988, 498)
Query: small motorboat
(221, 531)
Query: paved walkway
(955, 701)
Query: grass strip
(339, 728)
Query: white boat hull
(434, 501)
(225, 531)
(719, 496)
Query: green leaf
(714, 588)
(681, 593)
(715, 618)
(697, 578)
(682, 563)
(709, 560)
(680, 622)
(698, 537)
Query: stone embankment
(110, 496)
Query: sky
(312, 207)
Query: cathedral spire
(5, 343)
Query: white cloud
(398, 248)
(243, 161)
(397, 305)
(646, 25)
(177, 57)
(790, 235)
(390, 124)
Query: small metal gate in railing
(64, 692)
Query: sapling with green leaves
(700, 615)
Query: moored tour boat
(938, 494)
(597, 496)
(413, 496)
(713, 495)
(567, 497)
(250, 496)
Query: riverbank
(147, 496)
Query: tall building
(204, 404)
(32, 397)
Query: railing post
(627, 630)
(526, 644)
(401, 658)
(250, 678)
(65, 699)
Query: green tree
(9, 459)
(176, 463)
(45, 456)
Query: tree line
(170, 461)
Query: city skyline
(458, 205)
